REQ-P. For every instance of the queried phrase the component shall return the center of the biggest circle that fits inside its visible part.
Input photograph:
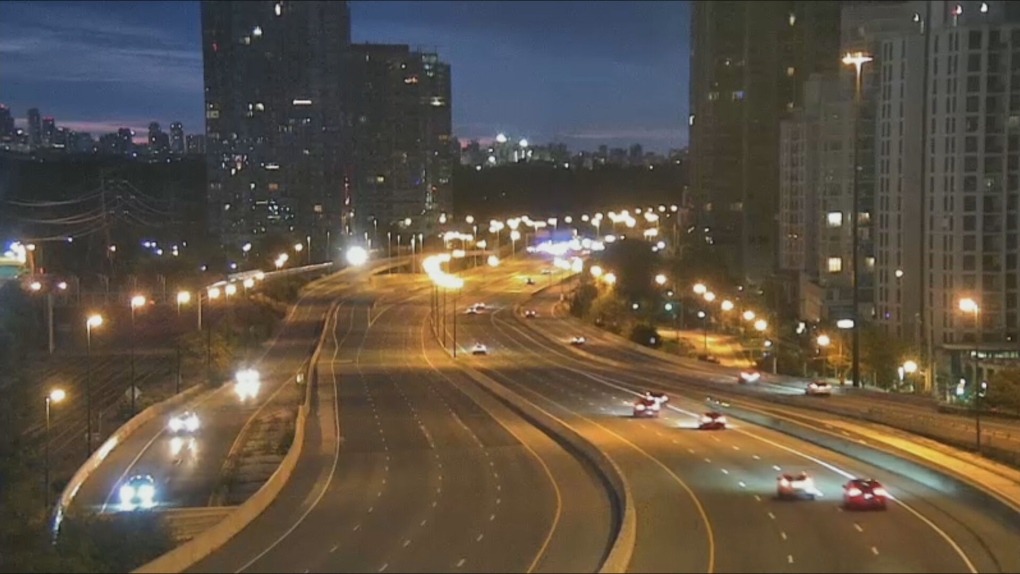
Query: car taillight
(880, 492)
(853, 492)
(784, 482)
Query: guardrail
(191, 552)
(120, 435)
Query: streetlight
(136, 302)
(726, 305)
(700, 289)
(857, 60)
(660, 279)
(969, 305)
(92, 322)
(823, 341)
(183, 298)
(55, 396)
(710, 296)
(704, 328)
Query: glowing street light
(726, 305)
(595, 271)
(700, 289)
(230, 289)
(823, 340)
(610, 278)
(660, 279)
(909, 367)
(92, 322)
(748, 315)
(357, 256)
(761, 325)
(55, 396)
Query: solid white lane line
(858, 527)
(782, 535)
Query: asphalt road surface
(412, 467)
(706, 500)
(187, 468)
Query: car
(791, 487)
(712, 421)
(547, 271)
(708, 358)
(139, 491)
(530, 314)
(247, 384)
(479, 349)
(186, 422)
(644, 407)
(818, 389)
(479, 306)
(578, 341)
(864, 493)
(530, 281)
(471, 311)
(749, 376)
(660, 398)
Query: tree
(635, 266)
(197, 347)
(1004, 390)
(583, 297)
(645, 334)
(881, 355)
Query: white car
(186, 422)
(749, 376)
(578, 340)
(479, 306)
(790, 486)
(547, 271)
(247, 384)
(818, 389)
(479, 349)
(471, 311)
(661, 398)
(138, 492)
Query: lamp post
(969, 305)
(704, 328)
(213, 293)
(857, 60)
(823, 342)
(55, 396)
(136, 302)
(183, 298)
(91, 322)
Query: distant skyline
(612, 73)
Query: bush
(645, 334)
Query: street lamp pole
(456, 293)
(92, 321)
(978, 384)
(857, 60)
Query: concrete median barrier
(116, 439)
(619, 555)
(189, 553)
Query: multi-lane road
(410, 465)
(729, 476)
(188, 468)
(415, 468)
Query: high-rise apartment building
(176, 138)
(402, 158)
(195, 143)
(49, 131)
(276, 121)
(34, 128)
(749, 61)
(6, 122)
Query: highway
(913, 413)
(415, 468)
(188, 469)
(706, 499)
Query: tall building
(34, 128)
(159, 141)
(195, 143)
(276, 122)
(49, 131)
(176, 138)
(402, 158)
(820, 141)
(749, 62)
(6, 122)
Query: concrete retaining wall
(189, 553)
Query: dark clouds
(581, 72)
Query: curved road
(411, 467)
(188, 469)
(731, 474)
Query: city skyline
(602, 86)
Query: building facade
(749, 61)
(276, 120)
(402, 148)
(177, 138)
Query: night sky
(583, 73)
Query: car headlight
(721, 419)
(881, 492)
(639, 407)
(853, 492)
(175, 425)
(127, 493)
(192, 423)
(706, 420)
(146, 492)
(784, 482)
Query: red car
(646, 407)
(712, 421)
(864, 493)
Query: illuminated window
(790, 71)
(690, 120)
(835, 264)
(278, 9)
(869, 262)
(713, 96)
(793, 18)
(834, 218)
(274, 187)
